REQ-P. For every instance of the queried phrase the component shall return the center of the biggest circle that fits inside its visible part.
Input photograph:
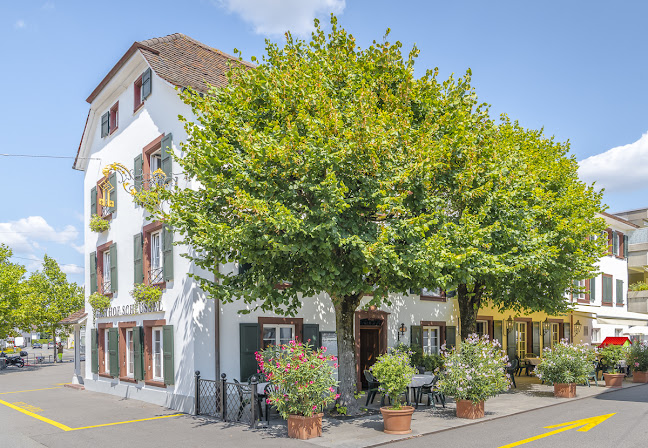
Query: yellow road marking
(129, 421)
(29, 390)
(586, 423)
(27, 407)
(67, 428)
(38, 417)
(62, 384)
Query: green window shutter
(167, 253)
(451, 336)
(511, 343)
(146, 83)
(93, 272)
(113, 351)
(137, 172)
(165, 155)
(93, 201)
(113, 194)
(592, 285)
(311, 331)
(619, 292)
(416, 336)
(497, 330)
(535, 340)
(94, 351)
(138, 264)
(167, 352)
(608, 287)
(105, 124)
(615, 243)
(567, 331)
(113, 267)
(249, 345)
(625, 246)
(138, 352)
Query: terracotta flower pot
(468, 409)
(397, 421)
(300, 427)
(639, 377)
(565, 390)
(613, 379)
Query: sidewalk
(368, 431)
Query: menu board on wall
(329, 340)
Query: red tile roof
(75, 317)
(614, 341)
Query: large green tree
(11, 278)
(47, 298)
(333, 168)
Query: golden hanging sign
(106, 189)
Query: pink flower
(337, 396)
(636, 364)
(314, 407)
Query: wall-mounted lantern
(577, 327)
(401, 331)
(509, 324)
(546, 326)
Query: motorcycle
(14, 360)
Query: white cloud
(71, 269)
(274, 17)
(624, 168)
(25, 235)
(20, 24)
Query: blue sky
(578, 69)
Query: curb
(571, 400)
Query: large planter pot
(565, 390)
(300, 427)
(613, 379)
(397, 421)
(468, 409)
(639, 377)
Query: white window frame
(521, 344)
(157, 362)
(429, 345)
(555, 333)
(581, 286)
(106, 271)
(596, 335)
(619, 331)
(130, 355)
(106, 352)
(485, 323)
(157, 262)
(278, 328)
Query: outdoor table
(261, 388)
(531, 364)
(418, 381)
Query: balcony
(638, 301)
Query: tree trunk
(345, 308)
(469, 303)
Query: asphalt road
(627, 428)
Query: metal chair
(592, 375)
(515, 365)
(373, 385)
(432, 392)
(243, 401)
(269, 389)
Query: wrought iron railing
(105, 211)
(106, 286)
(156, 275)
(231, 402)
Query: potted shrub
(566, 365)
(638, 360)
(146, 294)
(98, 224)
(305, 385)
(99, 303)
(611, 356)
(474, 372)
(395, 373)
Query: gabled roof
(610, 340)
(75, 318)
(180, 60)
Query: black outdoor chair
(373, 385)
(432, 392)
(269, 388)
(592, 375)
(515, 365)
(243, 400)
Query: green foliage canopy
(11, 278)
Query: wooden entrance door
(369, 350)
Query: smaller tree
(47, 298)
(11, 283)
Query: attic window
(114, 117)
(142, 89)
(137, 94)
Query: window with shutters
(130, 354)
(431, 340)
(433, 295)
(482, 327)
(158, 363)
(619, 292)
(275, 335)
(154, 166)
(157, 254)
(138, 98)
(106, 268)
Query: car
(50, 344)
(37, 345)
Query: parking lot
(36, 410)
